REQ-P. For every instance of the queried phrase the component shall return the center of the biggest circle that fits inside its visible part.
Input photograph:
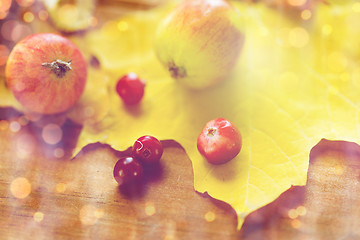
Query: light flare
(38, 216)
(89, 214)
(43, 15)
(306, 14)
(25, 3)
(25, 146)
(297, 3)
(59, 153)
(301, 210)
(210, 216)
(61, 187)
(20, 188)
(52, 134)
(150, 209)
(28, 17)
(15, 126)
(292, 213)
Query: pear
(199, 42)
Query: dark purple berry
(147, 149)
(128, 170)
(130, 88)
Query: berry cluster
(147, 150)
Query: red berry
(128, 170)
(147, 149)
(130, 88)
(220, 141)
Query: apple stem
(58, 67)
(175, 71)
(211, 132)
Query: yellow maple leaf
(294, 85)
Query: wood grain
(79, 199)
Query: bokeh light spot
(210, 216)
(19, 32)
(61, 187)
(301, 210)
(292, 213)
(25, 3)
(20, 188)
(306, 14)
(150, 209)
(38, 216)
(59, 153)
(25, 145)
(15, 126)
(296, 3)
(88, 215)
(295, 223)
(52, 134)
(7, 28)
(43, 15)
(28, 17)
(99, 213)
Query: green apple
(199, 42)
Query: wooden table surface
(45, 194)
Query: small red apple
(46, 73)
(220, 141)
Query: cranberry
(130, 88)
(147, 149)
(220, 141)
(128, 170)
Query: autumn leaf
(325, 208)
(295, 83)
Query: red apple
(46, 73)
(220, 141)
